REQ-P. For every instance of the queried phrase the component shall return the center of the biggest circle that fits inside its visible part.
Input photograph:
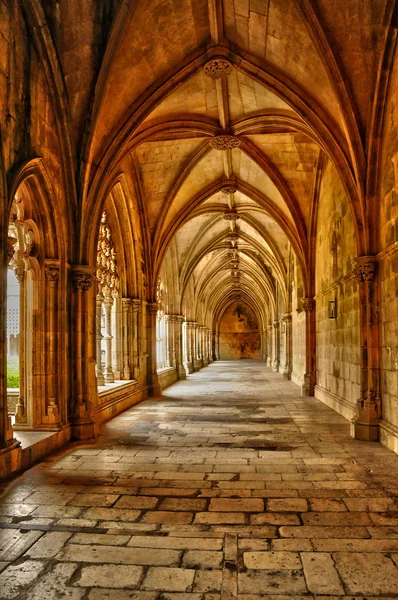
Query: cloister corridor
(230, 485)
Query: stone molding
(51, 269)
(218, 68)
(287, 317)
(225, 142)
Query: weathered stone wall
(239, 333)
(388, 267)
(337, 340)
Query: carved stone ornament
(365, 269)
(287, 317)
(276, 324)
(218, 68)
(10, 248)
(233, 236)
(52, 272)
(126, 304)
(180, 319)
(225, 142)
(136, 303)
(231, 215)
(82, 281)
(229, 189)
(152, 307)
(308, 304)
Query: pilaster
(307, 389)
(275, 362)
(153, 381)
(287, 320)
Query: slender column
(210, 345)
(188, 331)
(275, 362)
(153, 381)
(21, 412)
(135, 339)
(307, 388)
(169, 342)
(216, 345)
(117, 338)
(365, 424)
(173, 334)
(127, 334)
(84, 385)
(99, 371)
(109, 375)
(197, 360)
(203, 346)
(287, 319)
(269, 345)
(264, 345)
(178, 347)
(52, 414)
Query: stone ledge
(389, 435)
(118, 399)
(340, 405)
(297, 379)
(167, 377)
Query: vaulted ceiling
(225, 109)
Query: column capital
(308, 304)
(276, 324)
(51, 269)
(180, 319)
(365, 268)
(126, 304)
(135, 303)
(82, 277)
(287, 317)
(152, 307)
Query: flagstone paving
(230, 486)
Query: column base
(188, 368)
(275, 367)
(269, 362)
(365, 432)
(10, 458)
(287, 375)
(181, 374)
(155, 390)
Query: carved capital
(225, 142)
(173, 318)
(287, 317)
(365, 269)
(82, 277)
(218, 68)
(10, 248)
(52, 272)
(136, 303)
(152, 307)
(180, 319)
(308, 304)
(276, 324)
(126, 304)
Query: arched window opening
(108, 309)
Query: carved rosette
(229, 189)
(218, 68)
(231, 215)
(152, 307)
(136, 303)
(365, 269)
(52, 272)
(225, 142)
(308, 304)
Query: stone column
(195, 361)
(109, 375)
(188, 331)
(135, 339)
(205, 357)
(153, 381)
(21, 412)
(307, 388)
(117, 338)
(275, 362)
(287, 319)
(264, 345)
(210, 344)
(127, 335)
(365, 424)
(99, 371)
(168, 332)
(84, 388)
(269, 345)
(178, 347)
(52, 359)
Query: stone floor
(230, 486)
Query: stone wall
(338, 339)
(388, 269)
(239, 333)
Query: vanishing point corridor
(231, 485)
